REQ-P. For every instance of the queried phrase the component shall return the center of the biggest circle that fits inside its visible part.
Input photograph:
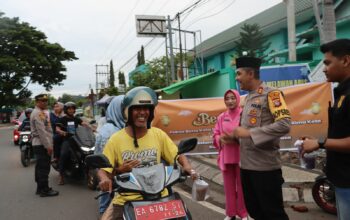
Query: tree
(121, 78)
(140, 57)
(66, 98)
(111, 91)
(252, 40)
(155, 77)
(27, 57)
(111, 75)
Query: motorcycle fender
(24, 147)
(320, 177)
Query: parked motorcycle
(323, 192)
(25, 145)
(150, 181)
(82, 144)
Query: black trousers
(66, 153)
(42, 167)
(263, 194)
(57, 141)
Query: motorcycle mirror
(97, 161)
(187, 145)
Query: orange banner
(185, 118)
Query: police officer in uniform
(265, 118)
(42, 145)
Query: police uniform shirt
(338, 163)
(267, 117)
(41, 128)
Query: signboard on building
(150, 26)
(284, 75)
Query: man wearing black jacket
(337, 142)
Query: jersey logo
(260, 90)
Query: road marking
(203, 203)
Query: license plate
(160, 211)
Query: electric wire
(226, 7)
(191, 8)
(119, 30)
(131, 39)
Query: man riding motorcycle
(64, 127)
(137, 145)
(26, 122)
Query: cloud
(185, 113)
(306, 112)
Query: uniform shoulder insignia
(277, 105)
(275, 96)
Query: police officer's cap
(41, 97)
(245, 61)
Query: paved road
(75, 202)
(18, 200)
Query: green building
(218, 50)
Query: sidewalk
(297, 186)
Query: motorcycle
(323, 192)
(82, 144)
(150, 181)
(25, 146)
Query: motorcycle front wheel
(324, 196)
(25, 157)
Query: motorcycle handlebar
(105, 193)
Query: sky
(102, 30)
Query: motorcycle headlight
(87, 149)
(25, 138)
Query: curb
(293, 189)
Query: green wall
(214, 86)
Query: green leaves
(252, 40)
(27, 57)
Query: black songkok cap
(252, 62)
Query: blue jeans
(343, 203)
(104, 202)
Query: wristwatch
(321, 142)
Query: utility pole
(172, 65)
(318, 20)
(91, 97)
(167, 61)
(99, 75)
(329, 23)
(180, 46)
(291, 30)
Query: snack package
(200, 190)
(308, 160)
